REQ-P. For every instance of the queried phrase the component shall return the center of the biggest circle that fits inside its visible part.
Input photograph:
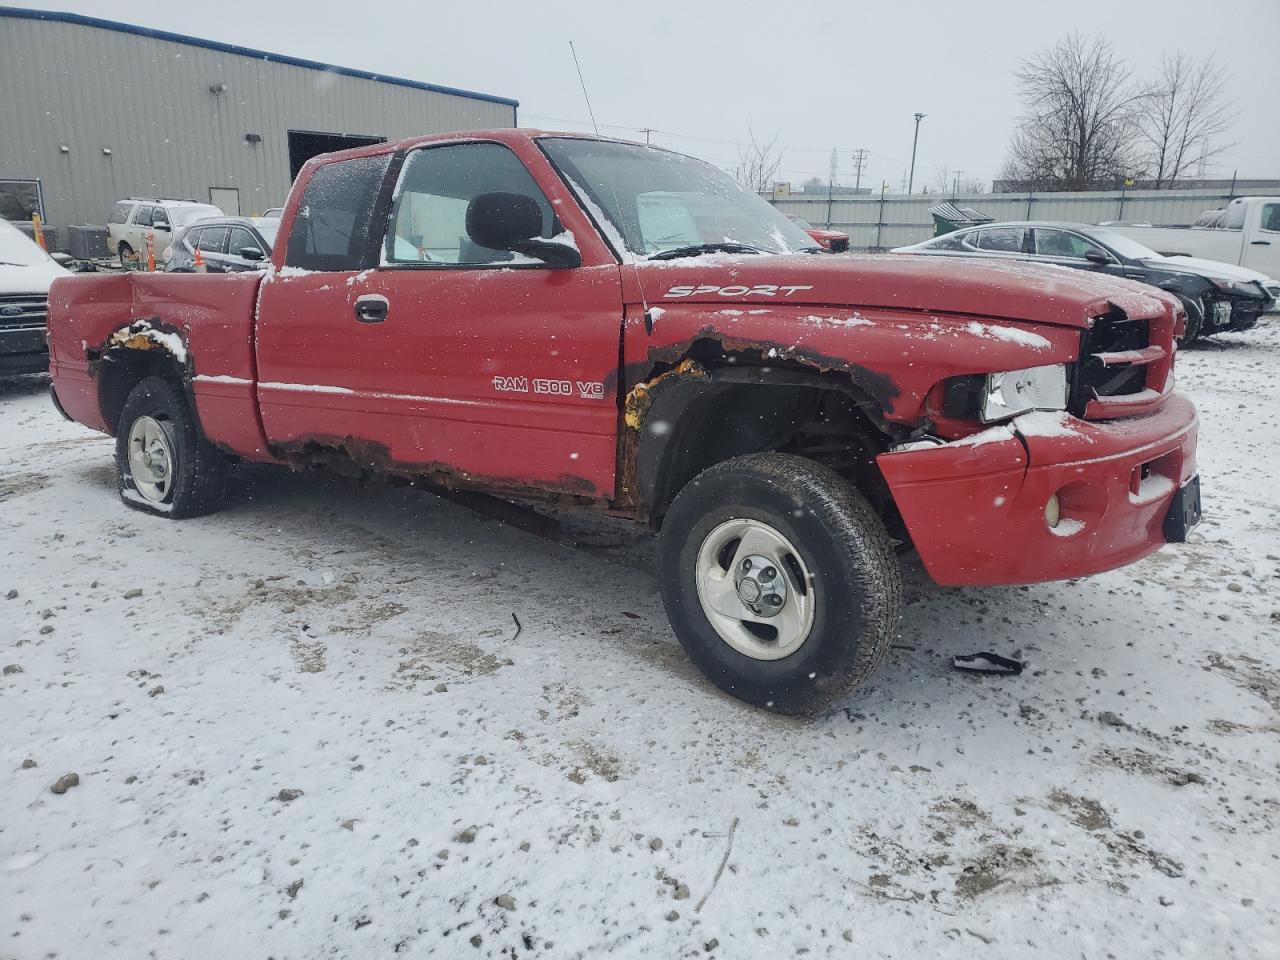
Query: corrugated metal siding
(148, 100)
(906, 219)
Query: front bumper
(976, 509)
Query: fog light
(1052, 512)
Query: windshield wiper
(698, 249)
(10, 263)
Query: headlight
(1006, 395)
(1242, 288)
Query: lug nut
(746, 564)
(773, 600)
(768, 574)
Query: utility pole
(911, 179)
(831, 181)
(955, 187)
(646, 131)
(859, 162)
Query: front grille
(23, 311)
(1125, 366)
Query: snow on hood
(30, 279)
(1015, 291)
(1209, 268)
(24, 267)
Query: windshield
(657, 201)
(17, 249)
(184, 215)
(1127, 248)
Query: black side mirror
(252, 253)
(1098, 257)
(513, 221)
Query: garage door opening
(305, 144)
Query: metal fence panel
(879, 223)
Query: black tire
(124, 252)
(854, 574)
(1194, 307)
(198, 470)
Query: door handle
(372, 308)
(1259, 243)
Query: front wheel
(780, 581)
(125, 253)
(164, 465)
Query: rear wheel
(779, 580)
(163, 463)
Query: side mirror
(1098, 257)
(513, 221)
(252, 253)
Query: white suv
(137, 218)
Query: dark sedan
(1217, 296)
(226, 245)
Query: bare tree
(1080, 124)
(949, 181)
(758, 163)
(1183, 116)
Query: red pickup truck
(571, 320)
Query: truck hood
(1030, 293)
(1209, 268)
(30, 279)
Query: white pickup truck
(1247, 234)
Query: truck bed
(198, 326)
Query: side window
(212, 239)
(159, 215)
(429, 218)
(142, 216)
(1001, 239)
(119, 213)
(331, 228)
(1062, 243)
(240, 238)
(1271, 217)
(191, 238)
(950, 241)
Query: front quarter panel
(896, 358)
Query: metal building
(92, 111)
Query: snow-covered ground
(574, 791)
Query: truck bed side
(108, 331)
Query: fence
(880, 223)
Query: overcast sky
(701, 72)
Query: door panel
(482, 367)
(499, 374)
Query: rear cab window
(331, 229)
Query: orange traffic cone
(198, 263)
(151, 255)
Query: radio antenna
(585, 95)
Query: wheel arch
(131, 355)
(698, 413)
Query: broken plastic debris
(987, 663)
